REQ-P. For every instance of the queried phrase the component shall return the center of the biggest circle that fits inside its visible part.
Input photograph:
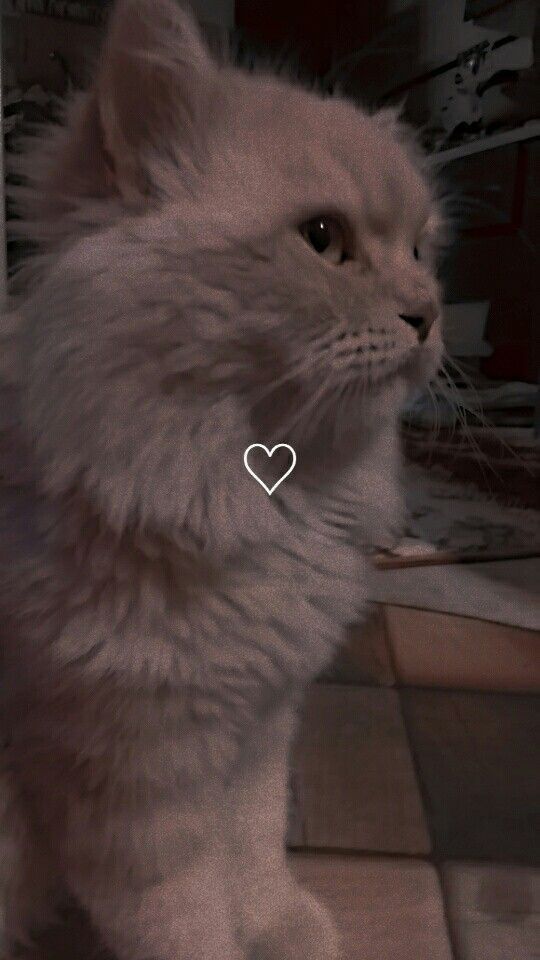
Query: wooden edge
(385, 561)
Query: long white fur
(161, 615)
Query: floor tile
(494, 910)
(501, 591)
(385, 909)
(356, 784)
(365, 657)
(442, 650)
(478, 757)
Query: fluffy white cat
(223, 258)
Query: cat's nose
(422, 320)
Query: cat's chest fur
(141, 660)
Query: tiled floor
(354, 773)
(386, 909)
(494, 910)
(468, 654)
(478, 758)
(390, 908)
(449, 777)
(415, 812)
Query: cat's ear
(154, 82)
(155, 79)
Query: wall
(444, 33)
(220, 12)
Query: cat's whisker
(437, 420)
(297, 371)
(304, 413)
(294, 373)
(449, 392)
(477, 411)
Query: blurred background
(415, 781)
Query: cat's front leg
(186, 916)
(302, 930)
(278, 919)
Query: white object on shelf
(526, 132)
(464, 325)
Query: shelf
(527, 132)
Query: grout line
(390, 648)
(295, 804)
(353, 854)
(429, 858)
(422, 789)
(474, 691)
(446, 914)
(432, 688)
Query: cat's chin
(393, 384)
(386, 397)
(420, 369)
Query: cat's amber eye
(327, 237)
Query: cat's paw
(304, 930)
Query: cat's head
(217, 240)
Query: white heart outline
(270, 453)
